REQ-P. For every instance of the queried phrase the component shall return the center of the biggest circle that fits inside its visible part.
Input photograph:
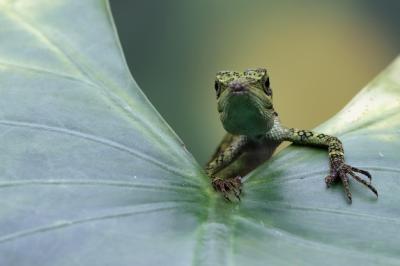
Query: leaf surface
(91, 174)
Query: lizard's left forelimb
(339, 170)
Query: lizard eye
(217, 87)
(267, 89)
(266, 83)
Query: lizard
(254, 131)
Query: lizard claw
(340, 171)
(228, 187)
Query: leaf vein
(318, 245)
(35, 182)
(310, 175)
(287, 206)
(144, 208)
(48, 72)
(96, 139)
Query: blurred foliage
(319, 53)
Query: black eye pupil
(266, 83)
(267, 88)
(216, 86)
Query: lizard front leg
(339, 169)
(223, 158)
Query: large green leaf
(90, 173)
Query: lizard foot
(228, 187)
(340, 171)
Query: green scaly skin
(254, 131)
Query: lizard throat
(246, 115)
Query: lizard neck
(278, 132)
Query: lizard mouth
(241, 92)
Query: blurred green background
(319, 55)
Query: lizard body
(254, 131)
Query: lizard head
(245, 101)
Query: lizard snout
(238, 86)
